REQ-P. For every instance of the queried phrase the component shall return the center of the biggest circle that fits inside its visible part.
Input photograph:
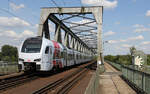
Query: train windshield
(32, 45)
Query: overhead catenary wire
(12, 14)
(55, 3)
(8, 4)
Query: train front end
(30, 54)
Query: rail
(5, 84)
(63, 85)
(139, 80)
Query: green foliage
(121, 59)
(148, 59)
(6, 58)
(1, 56)
(9, 53)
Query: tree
(9, 53)
(148, 59)
(132, 50)
(6, 58)
(121, 59)
(1, 56)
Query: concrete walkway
(111, 83)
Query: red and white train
(41, 54)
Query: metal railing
(7, 68)
(138, 78)
(94, 82)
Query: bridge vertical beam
(72, 44)
(98, 14)
(45, 29)
(67, 40)
(75, 44)
(58, 34)
(83, 49)
(80, 47)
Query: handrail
(137, 78)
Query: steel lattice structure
(82, 27)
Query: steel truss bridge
(77, 28)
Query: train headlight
(39, 59)
(20, 59)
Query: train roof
(34, 38)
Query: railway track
(64, 85)
(15, 81)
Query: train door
(46, 59)
(46, 55)
(65, 57)
(74, 57)
(50, 55)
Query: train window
(47, 50)
(32, 45)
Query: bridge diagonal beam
(80, 31)
(83, 24)
(70, 17)
(82, 16)
(85, 31)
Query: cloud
(112, 41)
(13, 34)
(117, 23)
(10, 37)
(140, 28)
(140, 37)
(145, 43)
(36, 25)
(109, 33)
(106, 3)
(9, 33)
(123, 40)
(12, 22)
(16, 7)
(126, 45)
(148, 13)
(27, 33)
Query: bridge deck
(111, 83)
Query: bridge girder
(76, 42)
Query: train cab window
(47, 50)
(32, 45)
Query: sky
(126, 23)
